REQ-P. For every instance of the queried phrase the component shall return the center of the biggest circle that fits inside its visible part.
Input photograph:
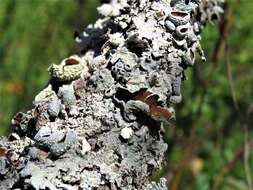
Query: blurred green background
(214, 121)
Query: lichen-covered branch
(97, 123)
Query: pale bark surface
(97, 123)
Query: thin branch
(244, 125)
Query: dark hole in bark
(179, 14)
(123, 94)
(150, 168)
(20, 184)
(52, 118)
(137, 46)
(183, 30)
(31, 127)
(154, 126)
(214, 17)
(123, 140)
(100, 77)
(120, 158)
(192, 55)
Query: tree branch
(97, 123)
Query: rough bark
(97, 123)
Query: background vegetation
(214, 121)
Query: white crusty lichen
(161, 185)
(126, 133)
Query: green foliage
(209, 132)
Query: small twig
(246, 157)
(239, 154)
(225, 28)
(230, 81)
(233, 184)
(244, 125)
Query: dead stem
(242, 120)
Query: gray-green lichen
(45, 95)
(65, 72)
(97, 123)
